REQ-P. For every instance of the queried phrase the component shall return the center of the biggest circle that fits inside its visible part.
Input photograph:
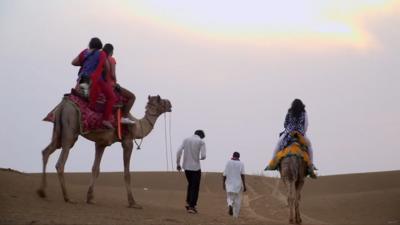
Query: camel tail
(57, 127)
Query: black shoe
(230, 211)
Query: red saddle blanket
(90, 120)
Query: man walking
(234, 183)
(194, 150)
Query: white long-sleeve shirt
(194, 150)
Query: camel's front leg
(127, 145)
(95, 172)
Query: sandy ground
(372, 198)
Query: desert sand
(370, 198)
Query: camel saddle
(90, 119)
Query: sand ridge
(371, 198)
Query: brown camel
(66, 131)
(293, 170)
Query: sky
(231, 68)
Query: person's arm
(112, 68)
(305, 122)
(244, 183)
(203, 151)
(223, 183)
(224, 176)
(286, 123)
(107, 67)
(243, 179)
(77, 61)
(178, 157)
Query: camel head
(157, 106)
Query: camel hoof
(291, 221)
(70, 201)
(135, 206)
(91, 202)
(41, 193)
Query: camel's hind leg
(52, 147)
(299, 186)
(69, 135)
(95, 172)
(291, 200)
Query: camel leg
(95, 172)
(299, 186)
(70, 134)
(60, 172)
(127, 145)
(45, 157)
(291, 198)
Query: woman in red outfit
(129, 96)
(93, 62)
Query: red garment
(100, 86)
(110, 79)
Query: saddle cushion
(89, 120)
(293, 149)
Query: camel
(66, 131)
(293, 170)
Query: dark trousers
(193, 178)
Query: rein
(141, 128)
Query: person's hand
(179, 168)
(244, 189)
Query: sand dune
(372, 198)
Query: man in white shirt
(194, 150)
(234, 183)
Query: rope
(170, 142)
(166, 142)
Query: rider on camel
(92, 62)
(295, 120)
(112, 79)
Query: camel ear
(148, 97)
(158, 98)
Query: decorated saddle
(90, 119)
(297, 146)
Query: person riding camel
(112, 80)
(296, 120)
(92, 62)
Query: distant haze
(227, 70)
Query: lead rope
(166, 142)
(141, 140)
(170, 141)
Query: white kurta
(233, 171)
(234, 185)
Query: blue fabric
(292, 124)
(90, 62)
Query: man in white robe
(234, 183)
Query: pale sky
(231, 68)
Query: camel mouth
(168, 106)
